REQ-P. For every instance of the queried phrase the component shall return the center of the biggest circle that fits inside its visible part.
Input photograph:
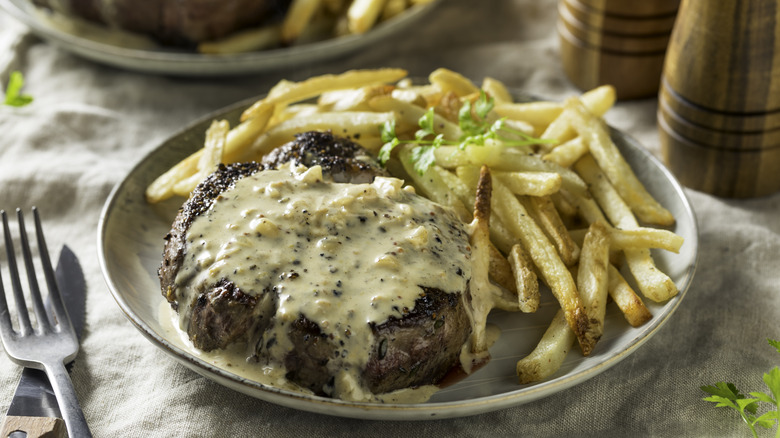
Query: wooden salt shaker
(719, 101)
(616, 42)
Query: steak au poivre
(325, 267)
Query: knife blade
(34, 396)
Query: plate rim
(393, 411)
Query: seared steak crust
(344, 160)
(417, 349)
(201, 200)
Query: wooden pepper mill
(617, 42)
(719, 102)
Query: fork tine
(6, 329)
(60, 312)
(32, 279)
(25, 327)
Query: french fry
(237, 141)
(249, 40)
(448, 80)
(286, 92)
(392, 9)
(431, 184)
(484, 294)
(298, 17)
(531, 183)
(568, 153)
(408, 116)
(497, 90)
(539, 113)
(634, 310)
(644, 237)
(500, 158)
(526, 282)
(616, 168)
(548, 355)
(546, 216)
(652, 282)
(593, 275)
(347, 124)
(362, 14)
(213, 149)
(599, 100)
(501, 270)
(545, 257)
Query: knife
(34, 406)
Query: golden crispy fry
(250, 40)
(643, 237)
(549, 353)
(286, 92)
(568, 153)
(408, 116)
(362, 14)
(545, 257)
(599, 100)
(500, 158)
(393, 8)
(448, 80)
(352, 99)
(526, 282)
(634, 310)
(652, 282)
(592, 275)
(238, 139)
(546, 216)
(497, 90)
(539, 114)
(501, 270)
(484, 294)
(347, 124)
(298, 17)
(531, 183)
(612, 163)
(213, 149)
(431, 184)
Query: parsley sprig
(727, 395)
(476, 132)
(13, 91)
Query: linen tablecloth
(90, 123)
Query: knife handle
(35, 427)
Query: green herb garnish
(727, 395)
(13, 95)
(476, 131)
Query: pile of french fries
(313, 20)
(566, 211)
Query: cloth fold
(90, 124)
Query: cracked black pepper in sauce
(342, 255)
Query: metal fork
(52, 342)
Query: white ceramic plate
(130, 244)
(138, 54)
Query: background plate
(130, 242)
(142, 56)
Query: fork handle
(33, 427)
(66, 397)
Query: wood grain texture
(35, 427)
(658, 22)
(633, 76)
(724, 55)
(722, 172)
(643, 8)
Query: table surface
(90, 123)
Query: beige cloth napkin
(90, 123)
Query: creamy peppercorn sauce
(342, 255)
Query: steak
(415, 346)
(172, 22)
